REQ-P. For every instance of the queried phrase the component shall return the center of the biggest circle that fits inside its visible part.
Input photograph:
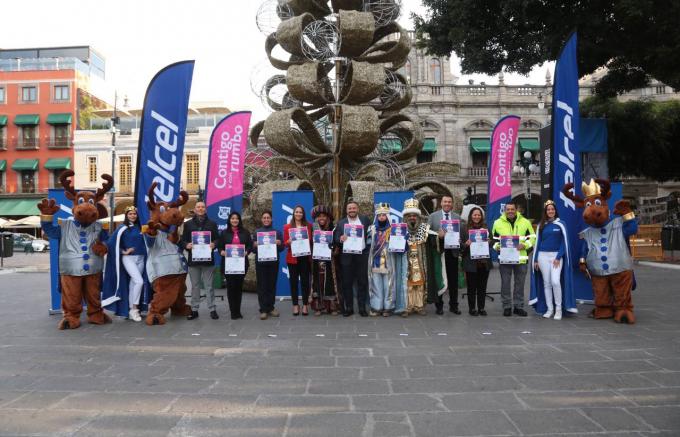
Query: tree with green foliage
(634, 39)
(643, 138)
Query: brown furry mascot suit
(605, 254)
(165, 265)
(81, 251)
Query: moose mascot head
(165, 215)
(605, 253)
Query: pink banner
(503, 142)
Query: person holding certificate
(476, 267)
(354, 266)
(324, 271)
(267, 267)
(299, 268)
(235, 233)
(512, 223)
(198, 238)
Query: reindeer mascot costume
(605, 254)
(81, 251)
(166, 266)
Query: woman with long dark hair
(324, 272)
(235, 233)
(299, 268)
(267, 271)
(476, 270)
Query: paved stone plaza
(308, 376)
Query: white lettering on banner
(166, 140)
(568, 157)
(229, 158)
(505, 144)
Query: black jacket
(340, 230)
(279, 247)
(194, 225)
(227, 236)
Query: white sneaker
(558, 314)
(134, 315)
(548, 314)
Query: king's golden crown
(591, 189)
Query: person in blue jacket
(551, 289)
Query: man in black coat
(201, 271)
(353, 265)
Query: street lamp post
(115, 120)
(525, 166)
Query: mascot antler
(181, 200)
(106, 187)
(68, 188)
(567, 191)
(605, 187)
(151, 202)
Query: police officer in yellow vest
(511, 222)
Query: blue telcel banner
(64, 213)
(283, 203)
(396, 200)
(161, 135)
(566, 156)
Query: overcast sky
(139, 37)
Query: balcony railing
(59, 143)
(27, 143)
(478, 172)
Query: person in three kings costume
(81, 251)
(325, 296)
(425, 281)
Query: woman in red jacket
(299, 269)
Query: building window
(92, 169)
(62, 93)
(29, 137)
(3, 144)
(192, 171)
(125, 173)
(661, 89)
(2, 94)
(28, 181)
(480, 159)
(424, 157)
(29, 94)
(61, 135)
(436, 71)
(406, 71)
(55, 177)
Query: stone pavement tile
(487, 370)
(300, 360)
(395, 403)
(262, 386)
(558, 338)
(456, 385)
(391, 429)
(670, 351)
(74, 383)
(392, 372)
(189, 360)
(481, 401)
(672, 364)
(203, 372)
(552, 421)
(302, 403)
(636, 354)
(303, 373)
(42, 422)
(213, 404)
(329, 387)
(121, 370)
(120, 424)
(574, 399)
(351, 352)
(473, 359)
(296, 351)
(584, 382)
(609, 367)
(615, 419)
(7, 397)
(326, 425)
(653, 396)
(409, 360)
(470, 423)
(560, 357)
(250, 425)
(118, 402)
(37, 400)
(361, 361)
(661, 418)
(666, 379)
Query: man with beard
(424, 265)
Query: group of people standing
(391, 272)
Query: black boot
(193, 315)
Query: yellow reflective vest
(521, 227)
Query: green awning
(25, 164)
(9, 207)
(3, 120)
(58, 164)
(430, 145)
(480, 145)
(390, 145)
(27, 119)
(59, 118)
(3, 164)
(530, 144)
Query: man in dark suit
(353, 265)
(450, 255)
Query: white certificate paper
(299, 242)
(355, 239)
(509, 249)
(397, 238)
(266, 246)
(235, 259)
(479, 243)
(452, 236)
(200, 246)
(322, 249)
